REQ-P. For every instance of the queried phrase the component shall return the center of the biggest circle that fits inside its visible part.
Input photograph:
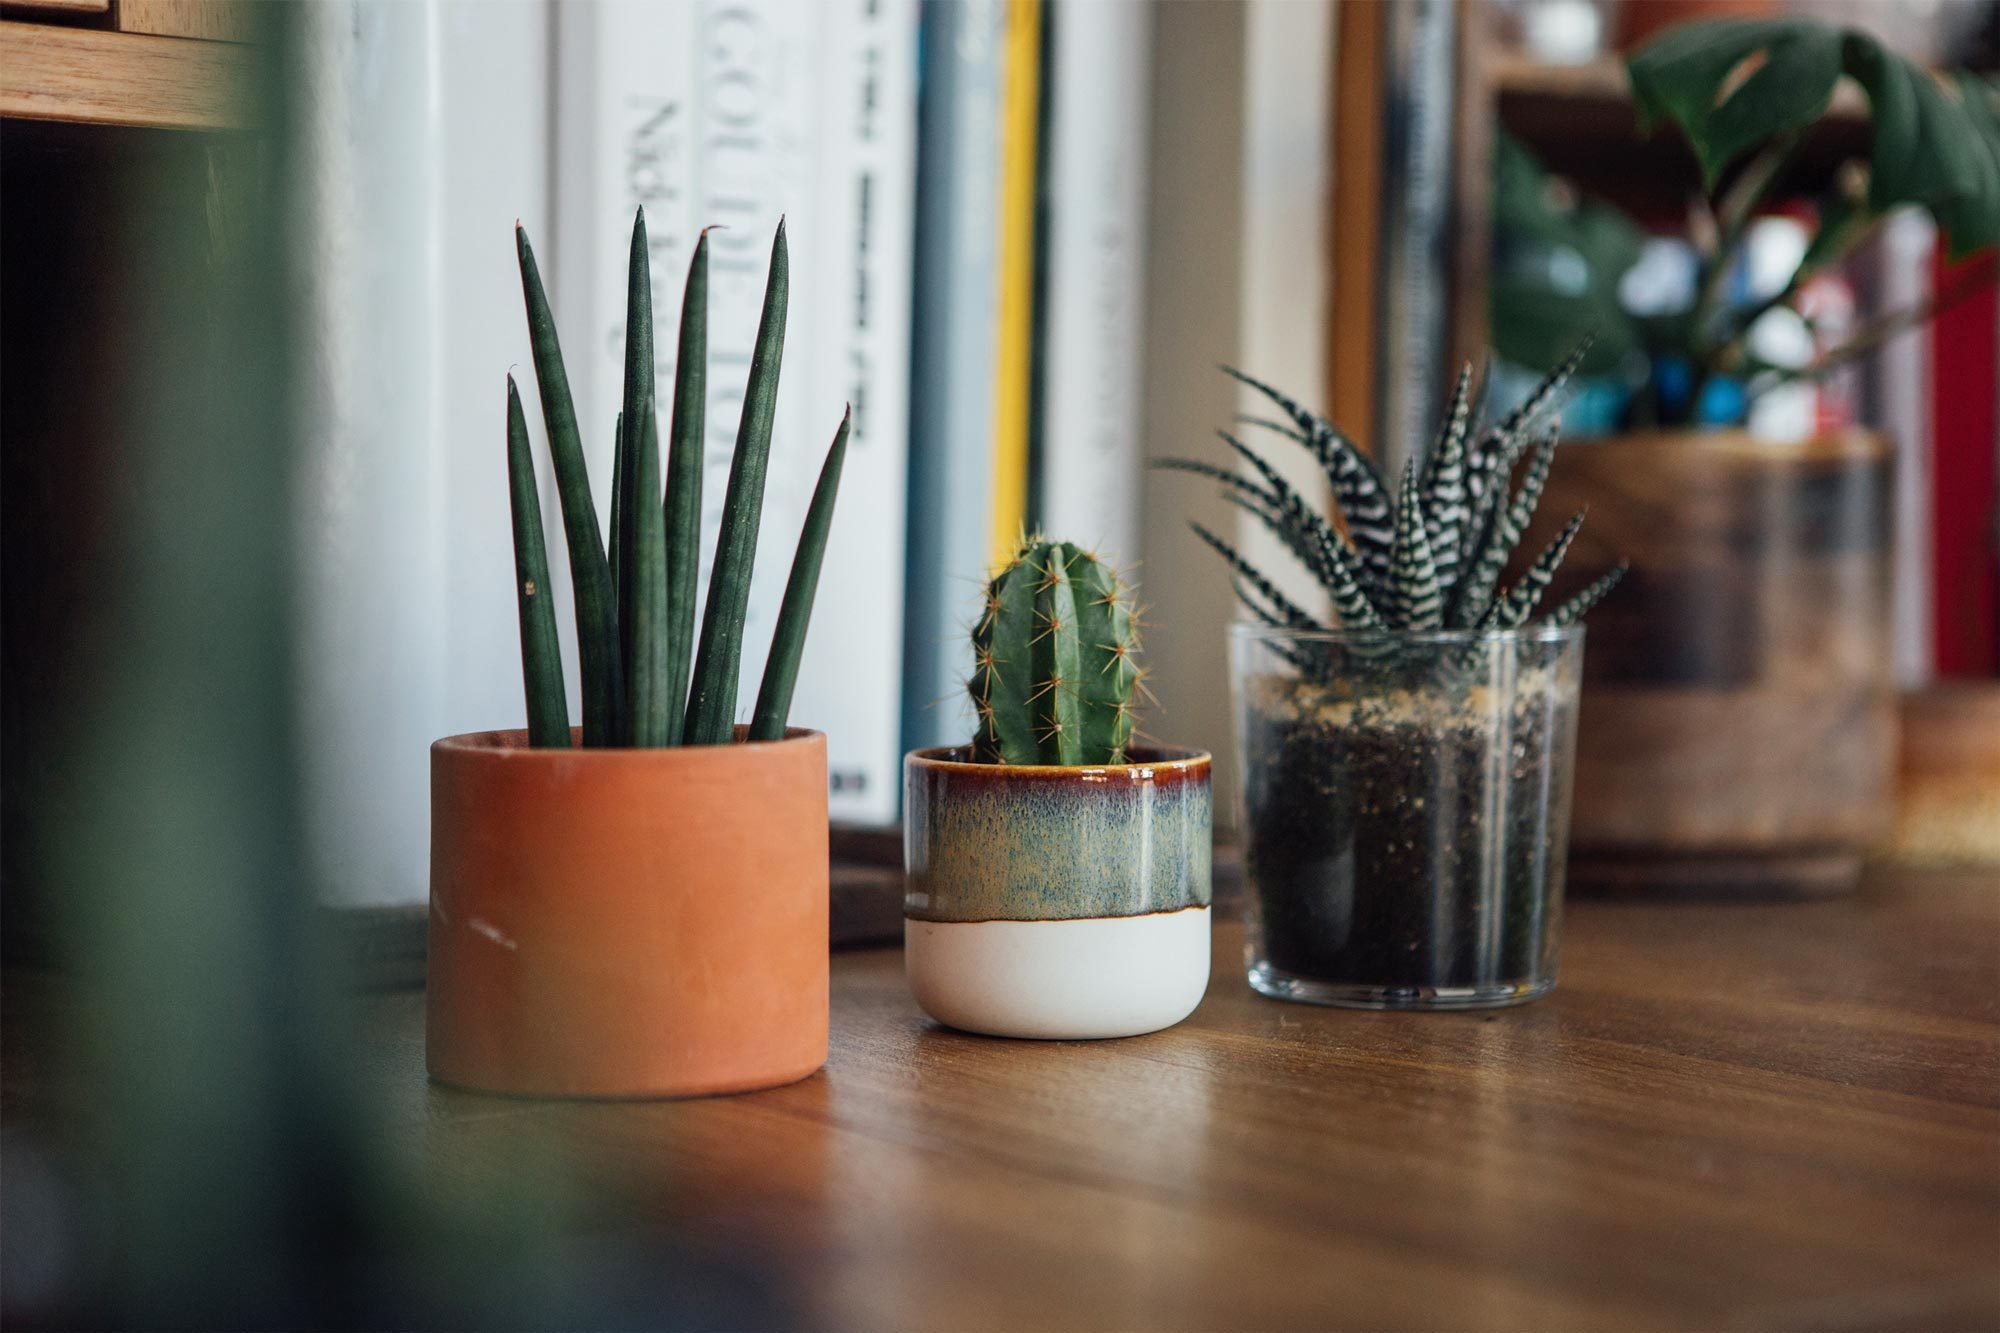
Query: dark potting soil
(1391, 852)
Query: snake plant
(645, 683)
(1054, 669)
(1424, 555)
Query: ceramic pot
(1739, 723)
(627, 923)
(1054, 902)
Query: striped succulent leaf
(1506, 525)
(1490, 461)
(1416, 602)
(1518, 603)
(1427, 555)
(1357, 487)
(1574, 610)
(1324, 555)
(1295, 616)
(1273, 425)
(1234, 482)
(1443, 490)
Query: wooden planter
(1739, 718)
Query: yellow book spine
(1020, 102)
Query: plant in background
(1054, 669)
(647, 680)
(1744, 93)
(1424, 556)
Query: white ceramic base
(1060, 980)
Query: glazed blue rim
(1250, 629)
(1177, 758)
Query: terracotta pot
(1739, 716)
(1057, 902)
(627, 923)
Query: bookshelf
(105, 77)
(1579, 119)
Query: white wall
(426, 128)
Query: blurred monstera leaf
(1734, 85)
(1557, 263)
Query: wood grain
(216, 20)
(64, 7)
(1950, 807)
(1768, 1116)
(117, 78)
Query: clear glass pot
(1404, 812)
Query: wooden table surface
(1779, 1116)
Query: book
(1965, 472)
(1020, 131)
(955, 350)
(734, 115)
(1092, 298)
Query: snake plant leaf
(1445, 512)
(541, 653)
(712, 694)
(1573, 610)
(788, 643)
(632, 428)
(1358, 488)
(683, 499)
(617, 496)
(1415, 600)
(651, 702)
(590, 570)
(1295, 616)
(1518, 603)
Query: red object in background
(1965, 480)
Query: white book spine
(735, 115)
(1096, 265)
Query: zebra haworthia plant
(1425, 555)
(647, 680)
(1054, 669)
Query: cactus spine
(1055, 662)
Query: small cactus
(1055, 662)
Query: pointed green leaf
(1415, 601)
(788, 643)
(541, 654)
(617, 496)
(712, 696)
(1574, 610)
(633, 427)
(590, 570)
(683, 502)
